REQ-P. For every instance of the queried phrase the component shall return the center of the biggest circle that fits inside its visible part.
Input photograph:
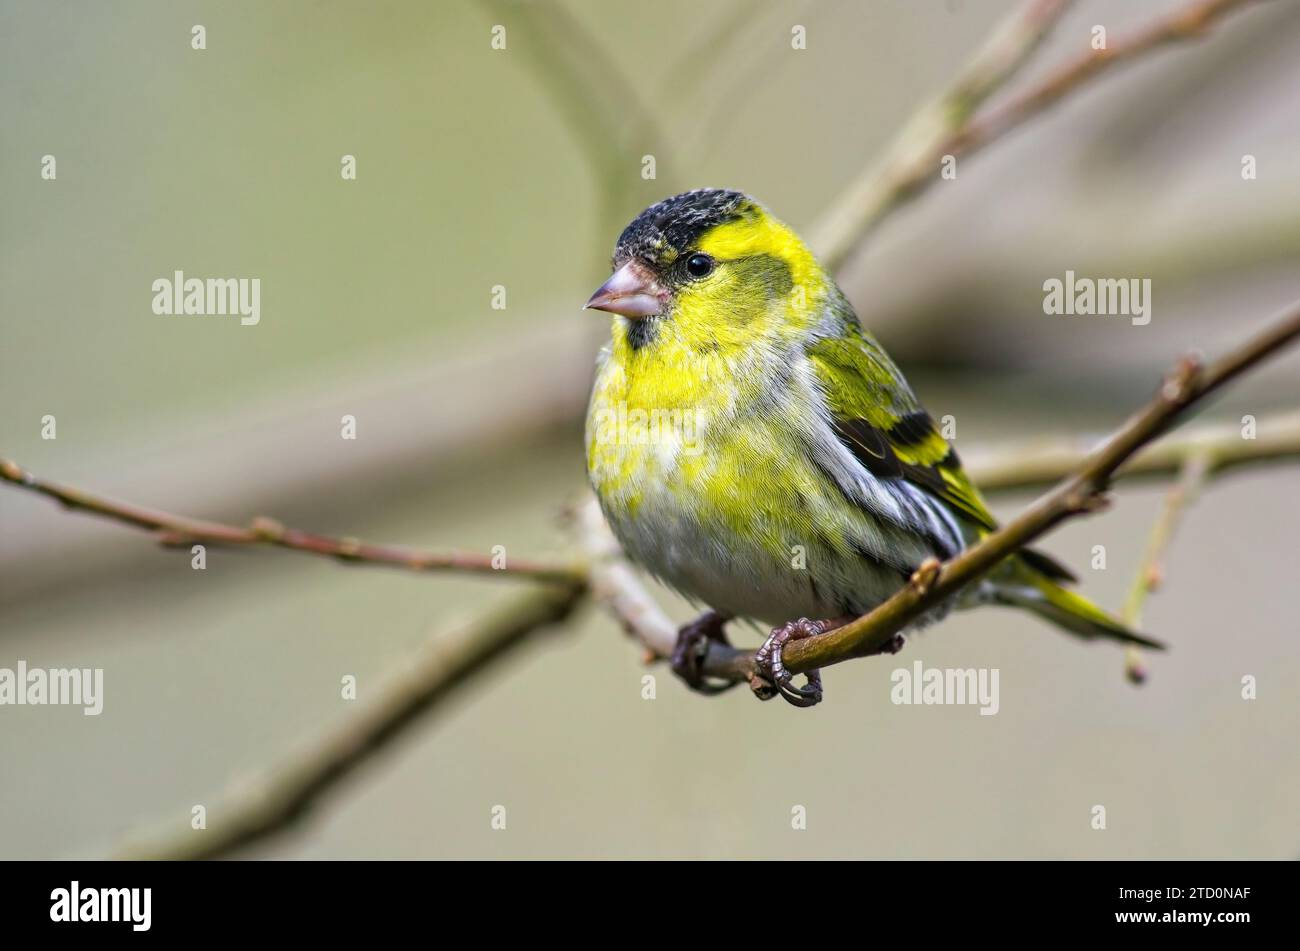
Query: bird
(753, 447)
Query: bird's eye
(699, 265)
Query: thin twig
(1036, 463)
(1197, 468)
(912, 159)
(182, 531)
(1191, 22)
(947, 126)
(274, 802)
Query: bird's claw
(771, 677)
(693, 642)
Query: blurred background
(479, 167)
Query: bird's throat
(641, 332)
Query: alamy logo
(209, 297)
(946, 685)
(60, 686)
(133, 905)
(671, 428)
(1100, 297)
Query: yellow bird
(754, 448)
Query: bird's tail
(1032, 581)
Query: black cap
(666, 229)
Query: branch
(1191, 22)
(182, 531)
(1080, 493)
(283, 796)
(616, 586)
(912, 159)
(1034, 464)
(1196, 469)
(946, 127)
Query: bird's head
(713, 269)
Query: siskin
(754, 448)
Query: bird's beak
(630, 291)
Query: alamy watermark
(946, 685)
(179, 296)
(76, 903)
(1099, 297)
(59, 686)
(674, 428)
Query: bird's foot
(693, 642)
(772, 678)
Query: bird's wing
(877, 417)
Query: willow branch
(279, 799)
(182, 531)
(1078, 494)
(948, 126)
